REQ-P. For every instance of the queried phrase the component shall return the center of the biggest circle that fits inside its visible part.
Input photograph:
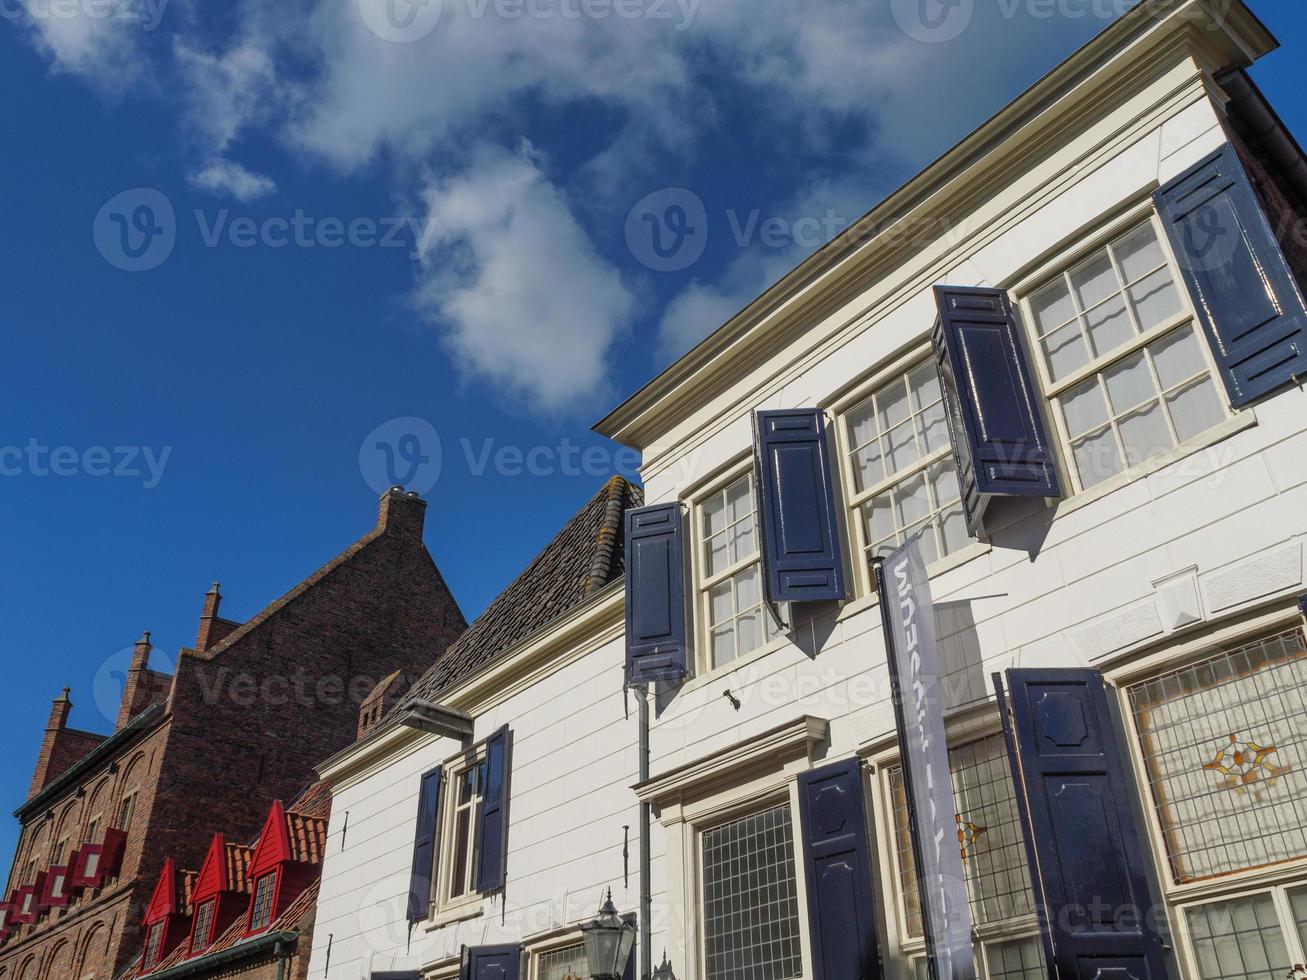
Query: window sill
(464, 908)
(963, 556)
(716, 674)
(1243, 420)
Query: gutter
(280, 944)
(131, 732)
(1264, 125)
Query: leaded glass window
(750, 899)
(563, 964)
(1224, 743)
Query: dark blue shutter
(424, 846)
(492, 816)
(655, 595)
(1088, 866)
(491, 963)
(998, 436)
(1246, 296)
(796, 501)
(841, 910)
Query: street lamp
(608, 942)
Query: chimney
(59, 710)
(402, 513)
(212, 600)
(136, 687)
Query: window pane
(862, 425)
(954, 529)
(1138, 252)
(1195, 409)
(911, 503)
(749, 631)
(1298, 902)
(714, 516)
(1065, 351)
(458, 883)
(944, 481)
(924, 382)
(1097, 458)
(1155, 299)
(720, 603)
(893, 403)
(1129, 383)
(1093, 281)
(750, 901)
(901, 447)
(1224, 743)
(1145, 434)
(867, 466)
(723, 645)
(1052, 306)
(1019, 959)
(739, 500)
(880, 521)
(1178, 358)
(1239, 939)
(934, 428)
(1109, 326)
(742, 541)
(1083, 407)
(748, 587)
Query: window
(1122, 358)
(92, 830)
(563, 964)
(730, 574)
(1224, 744)
(1252, 937)
(904, 476)
(60, 852)
(750, 901)
(125, 812)
(153, 941)
(203, 922)
(261, 911)
(993, 859)
(469, 784)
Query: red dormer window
(200, 934)
(166, 925)
(265, 891)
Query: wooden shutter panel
(1247, 299)
(1087, 865)
(491, 963)
(492, 816)
(998, 436)
(796, 501)
(655, 595)
(424, 846)
(841, 910)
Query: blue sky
(264, 256)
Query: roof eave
(631, 422)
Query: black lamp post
(608, 942)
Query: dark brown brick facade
(241, 723)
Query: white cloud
(515, 286)
(103, 50)
(228, 177)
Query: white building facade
(1066, 356)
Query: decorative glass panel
(1239, 940)
(563, 964)
(1224, 742)
(988, 834)
(750, 901)
(1018, 959)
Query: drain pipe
(646, 863)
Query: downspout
(282, 954)
(646, 863)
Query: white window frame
(735, 782)
(444, 908)
(536, 951)
(1059, 266)
(703, 586)
(1178, 899)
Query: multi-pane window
(92, 829)
(993, 857)
(468, 787)
(1224, 744)
(731, 574)
(153, 942)
(563, 964)
(904, 477)
(261, 912)
(1252, 937)
(125, 812)
(203, 923)
(750, 899)
(1125, 364)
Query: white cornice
(1213, 36)
(768, 750)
